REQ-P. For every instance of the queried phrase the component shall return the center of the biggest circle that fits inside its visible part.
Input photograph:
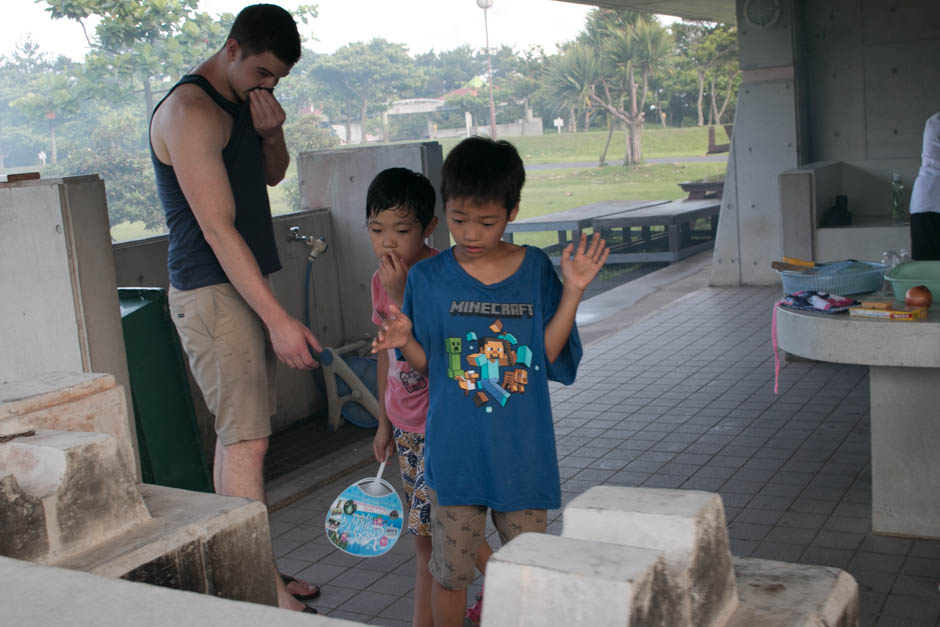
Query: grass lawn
(573, 147)
(126, 231)
(549, 191)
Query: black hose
(316, 372)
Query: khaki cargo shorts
(456, 533)
(231, 358)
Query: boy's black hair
(483, 171)
(261, 28)
(401, 188)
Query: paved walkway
(684, 399)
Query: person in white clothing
(925, 197)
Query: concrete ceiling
(712, 10)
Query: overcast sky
(420, 24)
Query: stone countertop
(840, 338)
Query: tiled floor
(684, 399)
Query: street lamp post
(485, 4)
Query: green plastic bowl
(904, 276)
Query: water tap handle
(296, 235)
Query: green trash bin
(171, 452)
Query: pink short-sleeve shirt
(406, 391)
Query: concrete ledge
(541, 580)
(39, 596)
(198, 542)
(72, 488)
(779, 594)
(68, 401)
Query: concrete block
(208, 543)
(538, 580)
(22, 520)
(779, 594)
(86, 492)
(60, 401)
(687, 526)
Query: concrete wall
(338, 180)
(830, 80)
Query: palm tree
(631, 54)
(569, 78)
(610, 69)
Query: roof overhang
(711, 10)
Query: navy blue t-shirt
(191, 261)
(489, 438)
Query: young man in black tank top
(213, 161)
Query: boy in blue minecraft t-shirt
(489, 323)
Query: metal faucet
(317, 245)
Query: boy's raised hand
(392, 273)
(579, 269)
(394, 332)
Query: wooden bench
(678, 219)
(575, 220)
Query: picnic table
(576, 219)
(678, 219)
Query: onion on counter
(918, 296)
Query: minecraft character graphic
(515, 380)
(454, 348)
(494, 352)
(468, 381)
(481, 381)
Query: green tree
(708, 50)
(631, 53)
(631, 48)
(516, 79)
(568, 80)
(51, 97)
(140, 45)
(446, 71)
(19, 141)
(112, 150)
(304, 133)
(364, 75)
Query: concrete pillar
(765, 142)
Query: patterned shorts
(411, 460)
(458, 531)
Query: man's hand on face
(267, 115)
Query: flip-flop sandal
(301, 597)
(309, 610)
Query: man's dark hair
(400, 188)
(261, 28)
(483, 171)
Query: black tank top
(191, 261)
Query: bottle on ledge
(898, 211)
